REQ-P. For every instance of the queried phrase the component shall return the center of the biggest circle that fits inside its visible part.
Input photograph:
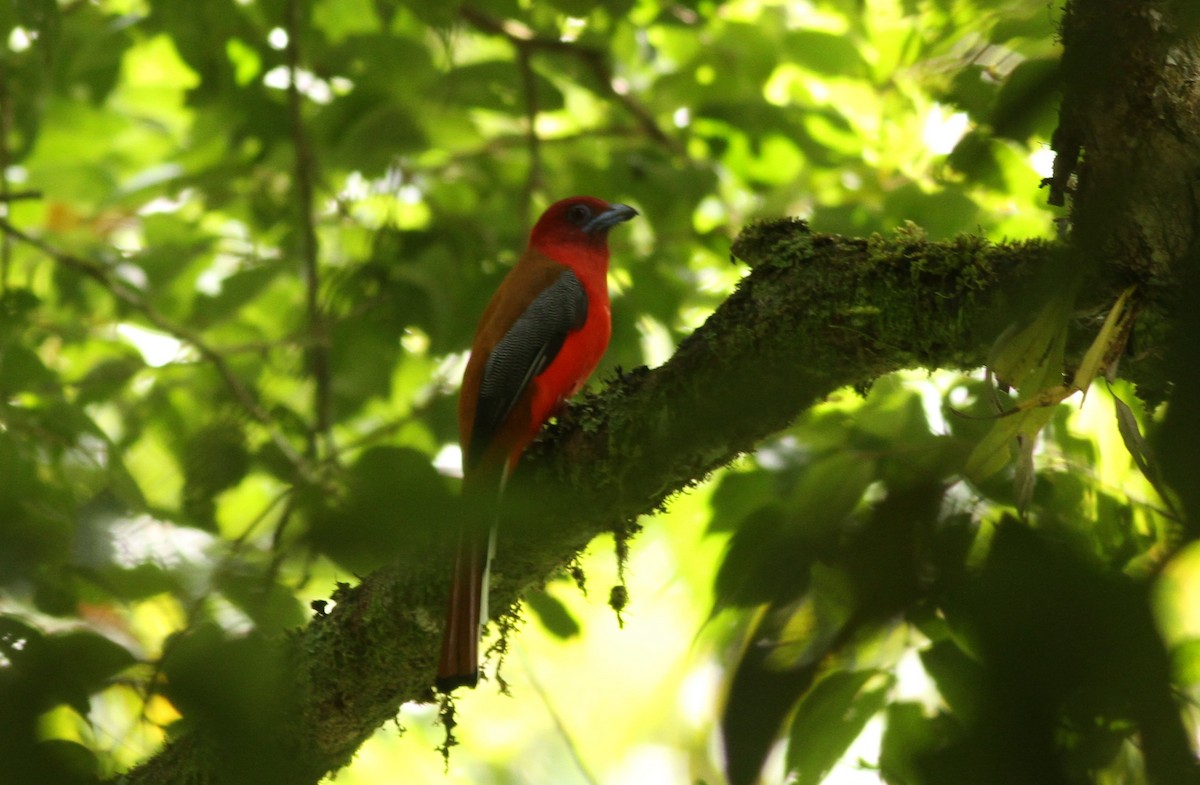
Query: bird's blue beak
(615, 214)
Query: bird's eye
(579, 214)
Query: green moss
(776, 243)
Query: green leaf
(762, 563)
(577, 8)
(396, 506)
(959, 678)
(215, 458)
(498, 85)
(829, 718)
(759, 698)
(372, 141)
(1036, 348)
(738, 495)
(237, 290)
(270, 605)
(975, 157)
(42, 16)
(972, 89)
(108, 378)
(827, 53)
(1023, 473)
(89, 60)
(1108, 342)
(71, 761)
(8, 19)
(338, 19)
(828, 491)
(85, 662)
(22, 370)
(910, 740)
(942, 213)
(21, 643)
(1186, 661)
(1139, 448)
(237, 689)
(436, 15)
(362, 358)
(1027, 103)
(552, 614)
(995, 450)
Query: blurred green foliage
(170, 502)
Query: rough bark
(1128, 151)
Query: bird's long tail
(458, 665)
(467, 607)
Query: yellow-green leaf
(1019, 351)
(1112, 332)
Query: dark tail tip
(450, 683)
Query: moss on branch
(816, 313)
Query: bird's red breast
(571, 236)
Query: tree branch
(534, 180)
(1129, 131)
(6, 196)
(817, 313)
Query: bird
(539, 339)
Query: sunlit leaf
(958, 677)
(758, 700)
(1025, 350)
(237, 290)
(830, 716)
(909, 739)
(1138, 447)
(826, 53)
(85, 661)
(1108, 342)
(827, 492)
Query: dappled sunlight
(928, 511)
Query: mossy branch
(816, 313)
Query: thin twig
(318, 353)
(5, 241)
(387, 428)
(17, 196)
(131, 297)
(493, 147)
(237, 542)
(559, 725)
(525, 40)
(534, 181)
